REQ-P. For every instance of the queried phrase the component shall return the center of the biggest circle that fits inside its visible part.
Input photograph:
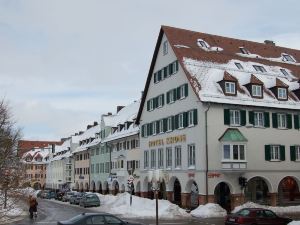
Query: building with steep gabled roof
(219, 120)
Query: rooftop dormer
(228, 84)
(280, 90)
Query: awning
(232, 135)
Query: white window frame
(180, 121)
(257, 90)
(169, 157)
(191, 118)
(146, 159)
(235, 117)
(229, 87)
(191, 156)
(282, 120)
(160, 158)
(154, 128)
(161, 126)
(159, 101)
(275, 152)
(231, 152)
(153, 159)
(178, 157)
(169, 123)
(258, 119)
(171, 96)
(297, 152)
(282, 93)
(151, 104)
(182, 91)
(165, 47)
(202, 43)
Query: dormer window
(259, 68)
(239, 66)
(282, 93)
(256, 90)
(230, 87)
(244, 51)
(287, 58)
(202, 43)
(284, 72)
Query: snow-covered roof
(34, 154)
(89, 133)
(128, 113)
(205, 57)
(132, 130)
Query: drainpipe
(206, 155)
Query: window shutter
(165, 72)
(165, 125)
(293, 153)
(168, 97)
(157, 126)
(143, 130)
(155, 77)
(289, 121)
(226, 117)
(148, 129)
(159, 75)
(267, 119)
(185, 119)
(195, 117)
(173, 122)
(296, 121)
(282, 152)
(170, 69)
(186, 90)
(163, 99)
(274, 120)
(176, 122)
(178, 93)
(243, 117)
(148, 105)
(267, 152)
(251, 117)
(177, 66)
(155, 102)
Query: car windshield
(244, 212)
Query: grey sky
(64, 63)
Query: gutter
(206, 155)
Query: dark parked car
(95, 218)
(255, 216)
(67, 196)
(59, 196)
(89, 200)
(75, 199)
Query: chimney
(119, 107)
(89, 126)
(80, 132)
(269, 42)
(109, 113)
(53, 148)
(95, 123)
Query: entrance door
(177, 192)
(222, 196)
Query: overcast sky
(64, 63)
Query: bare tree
(11, 169)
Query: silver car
(89, 200)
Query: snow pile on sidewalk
(29, 191)
(209, 210)
(278, 210)
(294, 223)
(141, 207)
(12, 209)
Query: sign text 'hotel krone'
(168, 140)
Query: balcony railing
(234, 166)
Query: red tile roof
(27, 145)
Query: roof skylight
(244, 50)
(288, 58)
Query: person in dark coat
(32, 206)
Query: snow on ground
(209, 210)
(140, 208)
(278, 210)
(294, 223)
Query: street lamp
(154, 177)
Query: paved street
(49, 212)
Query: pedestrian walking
(33, 206)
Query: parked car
(89, 200)
(76, 198)
(59, 196)
(255, 216)
(44, 193)
(67, 196)
(50, 195)
(95, 218)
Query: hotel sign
(168, 140)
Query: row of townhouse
(218, 121)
